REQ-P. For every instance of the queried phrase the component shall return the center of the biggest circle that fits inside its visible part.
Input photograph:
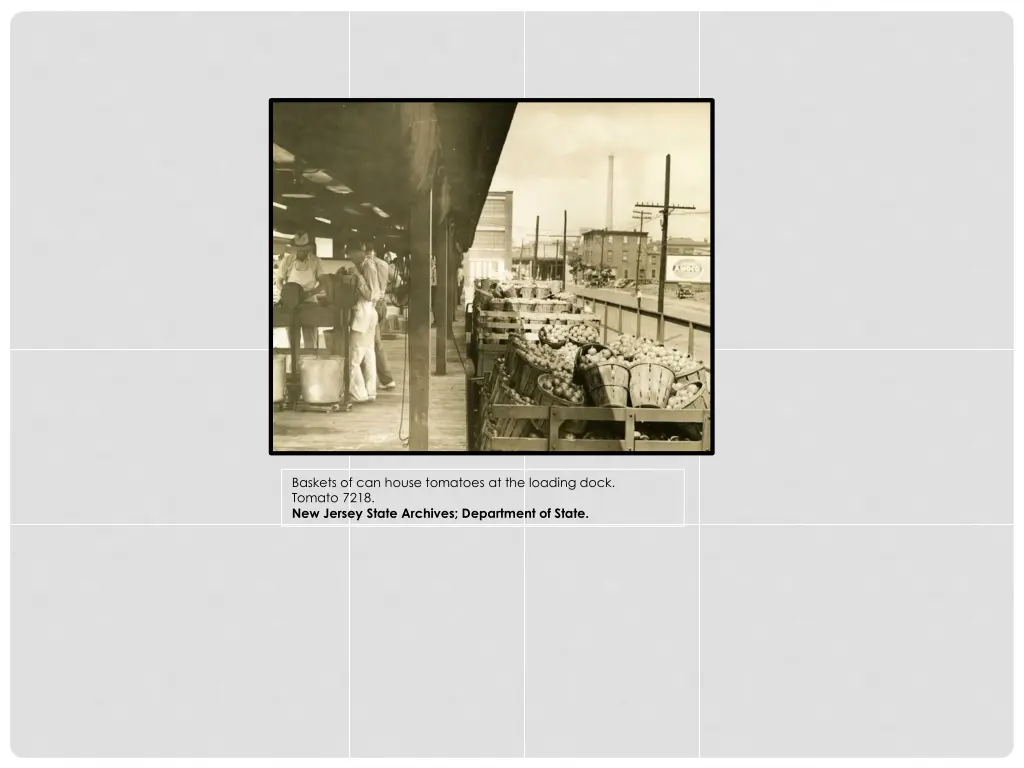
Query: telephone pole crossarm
(663, 207)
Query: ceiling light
(353, 211)
(282, 155)
(341, 189)
(297, 188)
(281, 206)
(318, 176)
(325, 221)
(282, 235)
(367, 205)
(355, 230)
(380, 213)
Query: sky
(555, 159)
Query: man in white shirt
(460, 281)
(362, 363)
(303, 267)
(433, 290)
(385, 277)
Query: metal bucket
(322, 379)
(280, 372)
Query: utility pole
(639, 241)
(536, 247)
(643, 215)
(666, 210)
(565, 251)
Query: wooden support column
(443, 309)
(419, 320)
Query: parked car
(684, 292)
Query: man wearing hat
(303, 268)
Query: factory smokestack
(611, 188)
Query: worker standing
(385, 279)
(433, 290)
(362, 364)
(460, 280)
(304, 268)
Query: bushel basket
(606, 384)
(697, 374)
(697, 401)
(544, 397)
(581, 360)
(508, 426)
(512, 356)
(544, 338)
(650, 385)
(520, 305)
(526, 377)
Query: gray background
(848, 589)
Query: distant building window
(489, 240)
(494, 209)
(625, 239)
(625, 274)
(654, 274)
(610, 238)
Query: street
(691, 310)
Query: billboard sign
(688, 269)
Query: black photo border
(592, 100)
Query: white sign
(688, 269)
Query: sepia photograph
(513, 276)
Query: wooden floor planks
(375, 426)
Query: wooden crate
(507, 426)
(494, 326)
(489, 393)
(485, 300)
(554, 416)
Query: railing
(627, 316)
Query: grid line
(698, 485)
(526, 482)
(514, 525)
(348, 682)
(264, 350)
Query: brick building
(617, 250)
